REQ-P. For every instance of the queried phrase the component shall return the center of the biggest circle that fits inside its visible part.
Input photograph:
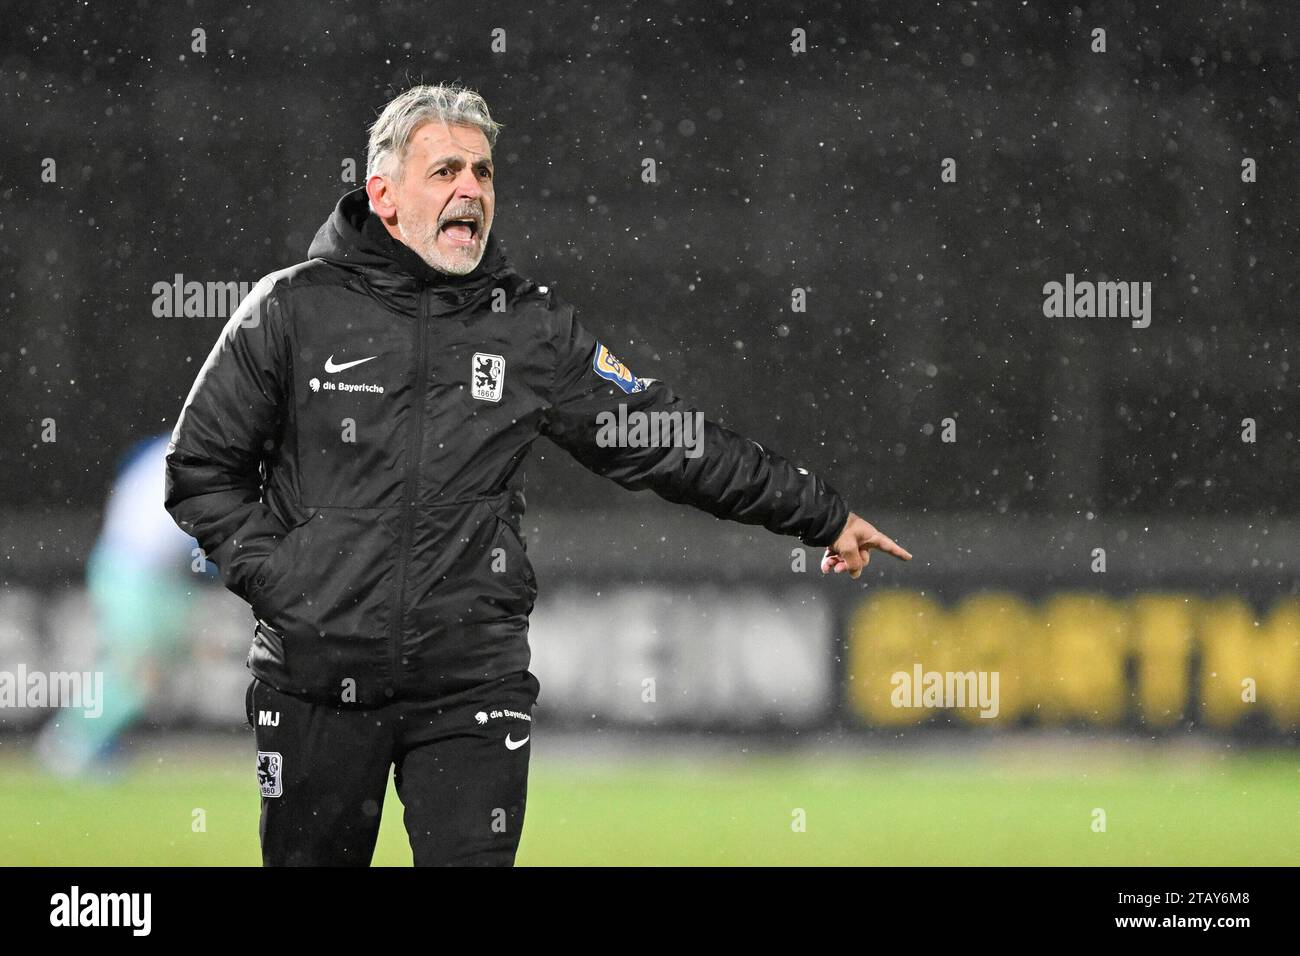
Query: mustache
(469, 212)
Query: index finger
(885, 543)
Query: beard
(422, 237)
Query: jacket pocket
(328, 593)
(273, 570)
(509, 537)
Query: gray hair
(404, 114)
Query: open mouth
(463, 229)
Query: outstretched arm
(721, 472)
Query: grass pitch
(1015, 802)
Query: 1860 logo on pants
(269, 766)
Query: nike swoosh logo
(515, 744)
(331, 367)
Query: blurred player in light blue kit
(140, 579)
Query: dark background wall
(776, 171)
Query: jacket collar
(355, 238)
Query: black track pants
(461, 773)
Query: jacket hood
(353, 237)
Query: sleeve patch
(607, 367)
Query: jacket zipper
(415, 449)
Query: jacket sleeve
(720, 471)
(214, 460)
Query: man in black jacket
(348, 458)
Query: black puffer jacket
(348, 458)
